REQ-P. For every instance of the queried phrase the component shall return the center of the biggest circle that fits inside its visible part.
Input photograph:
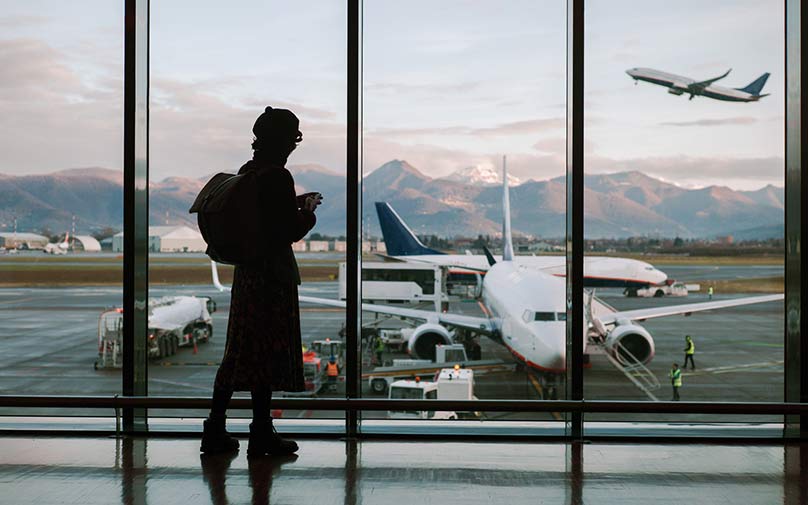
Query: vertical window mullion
(575, 207)
(354, 212)
(135, 208)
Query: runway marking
(735, 368)
(183, 384)
(540, 390)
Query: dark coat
(263, 349)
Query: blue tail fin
(398, 237)
(756, 86)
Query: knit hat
(279, 124)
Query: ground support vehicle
(313, 370)
(174, 322)
(670, 288)
(327, 348)
(449, 384)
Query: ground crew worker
(332, 371)
(710, 293)
(379, 350)
(690, 350)
(676, 380)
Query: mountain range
(466, 203)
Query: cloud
(740, 120)
(11, 22)
(524, 127)
(737, 173)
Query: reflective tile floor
(162, 471)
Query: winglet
(489, 256)
(507, 248)
(399, 239)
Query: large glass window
(60, 198)
(449, 99)
(210, 80)
(684, 201)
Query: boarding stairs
(634, 370)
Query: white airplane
(525, 311)
(678, 85)
(59, 247)
(599, 271)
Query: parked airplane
(678, 85)
(526, 312)
(599, 271)
(59, 247)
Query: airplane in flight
(599, 271)
(678, 85)
(525, 310)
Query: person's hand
(312, 201)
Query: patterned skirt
(263, 349)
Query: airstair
(634, 370)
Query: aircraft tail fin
(507, 246)
(756, 86)
(399, 239)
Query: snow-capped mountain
(480, 175)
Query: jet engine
(627, 340)
(425, 338)
(675, 91)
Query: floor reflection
(137, 471)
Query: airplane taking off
(599, 271)
(678, 85)
(525, 310)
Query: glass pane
(210, 80)
(61, 137)
(684, 202)
(445, 107)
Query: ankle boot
(265, 440)
(215, 438)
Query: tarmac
(49, 345)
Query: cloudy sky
(447, 85)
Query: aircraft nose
(660, 276)
(554, 355)
(630, 72)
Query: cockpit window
(562, 316)
(545, 316)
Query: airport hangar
(168, 239)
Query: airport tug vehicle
(174, 322)
(449, 384)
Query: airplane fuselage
(679, 85)
(599, 271)
(530, 305)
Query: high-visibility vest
(676, 377)
(331, 369)
(691, 348)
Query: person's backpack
(229, 218)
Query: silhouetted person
(263, 350)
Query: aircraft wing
(482, 325)
(686, 309)
(704, 84)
